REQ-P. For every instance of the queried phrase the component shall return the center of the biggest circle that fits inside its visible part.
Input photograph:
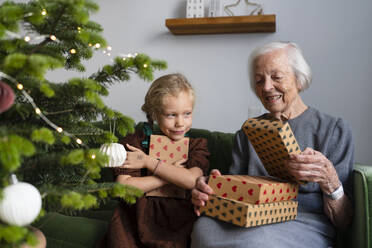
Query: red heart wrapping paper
(168, 151)
(252, 189)
(273, 141)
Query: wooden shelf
(222, 25)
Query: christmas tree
(50, 132)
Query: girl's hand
(136, 159)
(199, 195)
(180, 162)
(313, 166)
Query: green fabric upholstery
(71, 232)
(88, 228)
(361, 228)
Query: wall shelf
(222, 25)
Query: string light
(38, 110)
(145, 65)
(90, 44)
(72, 51)
(97, 45)
(27, 38)
(53, 37)
(109, 48)
(93, 156)
(44, 12)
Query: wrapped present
(273, 141)
(168, 151)
(249, 215)
(252, 189)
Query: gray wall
(335, 36)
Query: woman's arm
(313, 166)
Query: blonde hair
(171, 84)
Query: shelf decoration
(194, 8)
(258, 9)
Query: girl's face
(175, 118)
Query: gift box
(249, 215)
(168, 151)
(252, 189)
(273, 141)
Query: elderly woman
(279, 73)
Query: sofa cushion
(71, 231)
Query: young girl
(159, 221)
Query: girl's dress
(155, 221)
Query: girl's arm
(146, 184)
(182, 177)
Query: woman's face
(276, 84)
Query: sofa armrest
(361, 232)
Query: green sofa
(86, 229)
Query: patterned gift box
(249, 215)
(273, 141)
(168, 151)
(252, 189)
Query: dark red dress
(155, 221)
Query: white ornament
(215, 8)
(116, 152)
(21, 203)
(195, 8)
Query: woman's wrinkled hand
(313, 166)
(199, 194)
(136, 158)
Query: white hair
(300, 67)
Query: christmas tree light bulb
(90, 44)
(109, 48)
(72, 51)
(27, 38)
(124, 58)
(145, 65)
(37, 111)
(44, 12)
(97, 45)
(79, 141)
(59, 129)
(19, 86)
(53, 38)
(93, 156)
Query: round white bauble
(21, 204)
(116, 153)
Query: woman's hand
(313, 166)
(199, 195)
(136, 159)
